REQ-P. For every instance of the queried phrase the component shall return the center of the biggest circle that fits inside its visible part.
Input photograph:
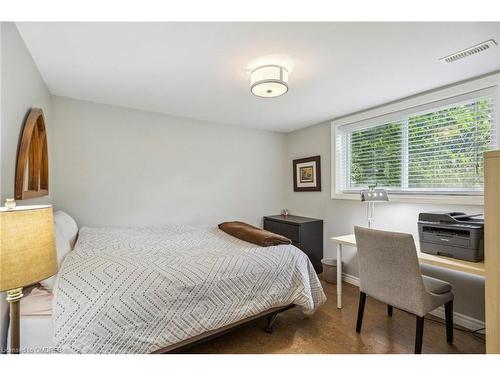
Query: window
(428, 149)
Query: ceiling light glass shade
(269, 81)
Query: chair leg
(361, 309)
(389, 310)
(419, 334)
(448, 311)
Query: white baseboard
(350, 279)
(458, 319)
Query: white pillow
(67, 225)
(63, 247)
(66, 231)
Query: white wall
(21, 89)
(341, 215)
(118, 166)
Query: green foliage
(443, 150)
(376, 155)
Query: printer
(452, 234)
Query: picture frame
(307, 174)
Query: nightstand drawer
(288, 230)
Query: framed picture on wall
(307, 174)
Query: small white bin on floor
(329, 270)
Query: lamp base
(14, 298)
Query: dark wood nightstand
(305, 233)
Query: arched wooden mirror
(32, 168)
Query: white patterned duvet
(136, 290)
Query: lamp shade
(374, 195)
(269, 81)
(27, 246)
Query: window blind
(436, 148)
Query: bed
(144, 290)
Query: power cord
(474, 333)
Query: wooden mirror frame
(33, 153)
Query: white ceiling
(198, 70)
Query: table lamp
(27, 255)
(371, 196)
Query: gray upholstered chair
(389, 272)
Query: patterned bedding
(136, 290)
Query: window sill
(476, 200)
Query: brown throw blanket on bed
(249, 233)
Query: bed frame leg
(270, 321)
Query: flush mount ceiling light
(269, 81)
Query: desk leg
(339, 276)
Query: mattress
(137, 290)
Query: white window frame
(487, 82)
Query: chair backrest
(388, 268)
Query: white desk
(435, 260)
